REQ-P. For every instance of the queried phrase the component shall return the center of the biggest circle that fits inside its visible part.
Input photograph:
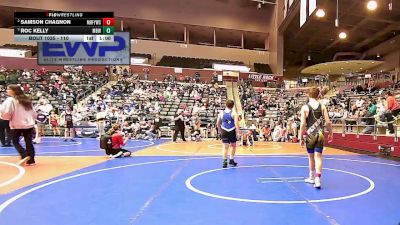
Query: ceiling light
(342, 35)
(320, 13)
(372, 5)
(309, 57)
(342, 68)
(361, 68)
(378, 55)
(259, 5)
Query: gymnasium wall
(7, 37)
(158, 49)
(364, 143)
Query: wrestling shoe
(310, 180)
(224, 163)
(317, 183)
(232, 163)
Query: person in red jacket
(393, 109)
(118, 140)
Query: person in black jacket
(179, 125)
(5, 136)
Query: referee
(179, 126)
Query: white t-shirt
(359, 103)
(101, 115)
(45, 108)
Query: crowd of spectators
(52, 91)
(273, 114)
(143, 106)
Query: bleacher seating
(148, 99)
(262, 68)
(66, 89)
(186, 62)
(141, 55)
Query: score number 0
(108, 21)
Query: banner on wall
(230, 74)
(177, 70)
(261, 77)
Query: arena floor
(183, 184)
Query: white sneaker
(310, 180)
(317, 183)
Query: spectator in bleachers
(196, 132)
(55, 123)
(350, 118)
(392, 110)
(2, 79)
(360, 102)
(68, 122)
(101, 119)
(5, 134)
(127, 129)
(369, 116)
(12, 77)
(41, 121)
(380, 107)
(291, 130)
(279, 133)
(151, 132)
(266, 132)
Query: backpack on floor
(105, 142)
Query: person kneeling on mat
(113, 141)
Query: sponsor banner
(230, 74)
(260, 77)
(86, 53)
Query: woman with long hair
(18, 109)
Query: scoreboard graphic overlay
(64, 26)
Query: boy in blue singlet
(228, 124)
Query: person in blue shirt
(228, 124)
